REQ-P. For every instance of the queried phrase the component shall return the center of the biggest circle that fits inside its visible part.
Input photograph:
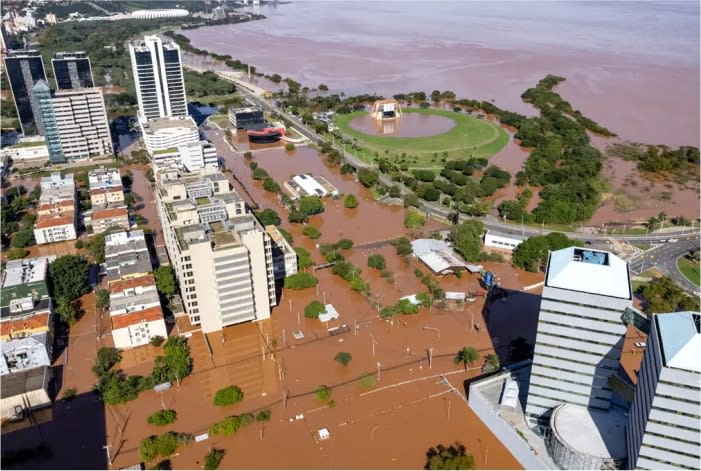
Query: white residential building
(57, 211)
(107, 197)
(135, 312)
(158, 76)
(164, 135)
(221, 255)
(664, 423)
(580, 331)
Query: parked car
(640, 344)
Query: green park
(469, 137)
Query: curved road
(664, 258)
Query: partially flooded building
(221, 255)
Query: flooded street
(408, 125)
(645, 88)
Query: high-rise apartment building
(221, 254)
(74, 122)
(664, 423)
(81, 118)
(158, 76)
(580, 331)
(24, 69)
(72, 70)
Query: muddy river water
(634, 67)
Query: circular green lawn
(470, 137)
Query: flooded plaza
(408, 125)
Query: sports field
(469, 137)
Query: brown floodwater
(636, 73)
(408, 125)
(636, 197)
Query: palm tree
(467, 356)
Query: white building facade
(81, 119)
(664, 424)
(158, 76)
(57, 211)
(501, 241)
(580, 331)
(165, 135)
(221, 255)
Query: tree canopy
(532, 253)
(69, 277)
(467, 239)
(165, 280)
(268, 217)
(453, 457)
(662, 295)
(227, 396)
(300, 281)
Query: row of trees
(16, 221)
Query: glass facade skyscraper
(24, 69)
(72, 70)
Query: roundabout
(422, 136)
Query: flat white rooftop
(27, 270)
(588, 271)
(591, 432)
(680, 339)
(310, 185)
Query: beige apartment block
(221, 254)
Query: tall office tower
(663, 429)
(220, 253)
(72, 70)
(24, 69)
(158, 75)
(47, 118)
(580, 331)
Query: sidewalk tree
(313, 309)
(227, 396)
(377, 261)
(165, 280)
(350, 201)
(103, 298)
(414, 220)
(162, 417)
(300, 281)
(322, 393)
(466, 356)
(212, 460)
(268, 217)
(105, 359)
(491, 363)
(343, 358)
(311, 232)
